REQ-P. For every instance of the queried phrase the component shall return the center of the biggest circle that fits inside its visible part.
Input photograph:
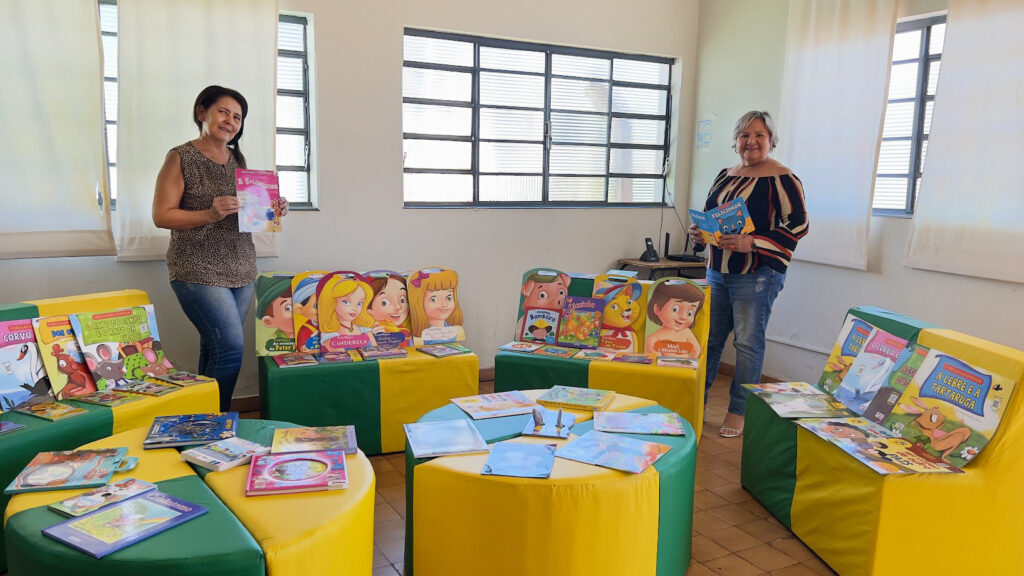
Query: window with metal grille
(916, 56)
(490, 122)
(108, 36)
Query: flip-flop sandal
(705, 413)
(730, 432)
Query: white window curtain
(169, 50)
(970, 212)
(53, 163)
(830, 124)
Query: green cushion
(899, 325)
(768, 469)
(18, 311)
(515, 371)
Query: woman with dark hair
(212, 265)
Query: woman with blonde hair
(342, 300)
(434, 306)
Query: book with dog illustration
(65, 366)
(852, 337)
(121, 345)
(22, 376)
(729, 218)
(870, 370)
(874, 446)
(580, 326)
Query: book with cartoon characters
(580, 325)
(874, 446)
(555, 351)
(888, 395)
(595, 355)
(48, 410)
(666, 423)
(109, 397)
(69, 469)
(190, 429)
(389, 308)
(729, 218)
(622, 318)
(783, 388)
(275, 325)
(631, 358)
(182, 379)
(258, 197)
(145, 388)
(304, 314)
(613, 451)
(121, 345)
(673, 305)
(541, 288)
(678, 362)
(315, 438)
(852, 337)
(65, 366)
(97, 498)
(495, 405)
(434, 309)
(297, 472)
(22, 376)
(573, 398)
(521, 347)
(443, 437)
(342, 301)
(520, 460)
(540, 325)
(870, 370)
(224, 454)
(803, 405)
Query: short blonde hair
(749, 117)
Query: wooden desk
(673, 266)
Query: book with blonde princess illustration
(434, 306)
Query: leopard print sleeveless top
(212, 254)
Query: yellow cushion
(96, 302)
(197, 399)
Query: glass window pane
(511, 188)
(108, 18)
(894, 157)
(511, 90)
(438, 154)
(899, 120)
(890, 194)
(436, 84)
(639, 71)
(509, 157)
(438, 51)
(112, 173)
(291, 150)
(924, 152)
(289, 73)
(906, 45)
(903, 81)
(290, 36)
(636, 161)
(634, 189)
(111, 144)
(578, 160)
(579, 128)
(440, 120)
(511, 124)
(110, 100)
(933, 76)
(518, 60)
(294, 185)
(638, 100)
(438, 187)
(938, 38)
(579, 95)
(564, 65)
(575, 189)
(291, 112)
(110, 56)
(928, 106)
(632, 131)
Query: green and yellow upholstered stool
(584, 519)
(288, 534)
(377, 396)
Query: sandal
(705, 413)
(731, 430)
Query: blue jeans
(741, 304)
(218, 314)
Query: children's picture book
(190, 429)
(114, 527)
(389, 308)
(729, 218)
(295, 359)
(594, 355)
(297, 472)
(342, 300)
(664, 423)
(224, 454)
(888, 395)
(458, 348)
(556, 351)
(521, 347)
(951, 409)
(443, 437)
(92, 500)
(378, 352)
(541, 288)
(315, 438)
(65, 366)
(874, 446)
(678, 362)
(495, 405)
(549, 423)
(258, 198)
(573, 398)
(144, 388)
(673, 306)
(338, 357)
(435, 313)
(22, 376)
(804, 405)
(305, 320)
(520, 460)
(622, 318)
(580, 326)
(6, 426)
(49, 410)
(120, 345)
(870, 370)
(635, 358)
(852, 337)
(613, 451)
(540, 325)
(275, 326)
(109, 398)
(70, 469)
(182, 379)
(439, 350)
(783, 388)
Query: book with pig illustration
(22, 376)
(121, 345)
(852, 337)
(65, 366)
(870, 370)
(541, 288)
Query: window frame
(306, 95)
(474, 138)
(107, 122)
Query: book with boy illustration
(92, 500)
(580, 324)
(295, 359)
(495, 405)
(275, 327)
(48, 410)
(573, 398)
(540, 325)
(114, 527)
(622, 317)
(6, 426)
(145, 388)
(521, 347)
(305, 321)
(555, 351)
(297, 472)
(315, 438)
(874, 446)
(613, 451)
(68, 469)
(190, 429)
(548, 423)
(541, 288)
(65, 366)
(182, 379)
(109, 398)
(258, 196)
(444, 437)
(22, 375)
(870, 370)
(852, 337)
(120, 345)
(665, 423)
(224, 454)
(673, 305)
(729, 218)
(520, 460)
(799, 405)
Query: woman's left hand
(282, 206)
(737, 242)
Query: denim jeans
(741, 304)
(218, 314)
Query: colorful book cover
(613, 451)
(673, 305)
(342, 300)
(305, 321)
(870, 370)
(48, 410)
(874, 446)
(275, 325)
(144, 388)
(622, 318)
(634, 358)
(183, 379)
(120, 345)
(729, 218)
(540, 325)
(521, 347)
(459, 348)
(438, 350)
(389, 308)
(783, 388)
(951, 409)
(224, 454)
(315, 438)
(520, 460)
(852, 337)
(541, 288)
(435, 313)
(295, 359)
(495, 405)
(258, 197)
(887, 396)
(114, 527)
(549, 423)
(556, 351)
(664, 423)
(338, 357)
(297, 472)
(68, 469)
(443, 437)
(189, 429)
(109, 398)
(804, 405)
(377, 352)
(97, 498)
(6, 426)
(573, 398)
(65, 365)
(22, 375)
(594, 355)
(678, 362)
(580, 326)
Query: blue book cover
(729, 218)
(114, 527)
(520, 460)
(6, 426)
(189, 429)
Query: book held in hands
(258, 196)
